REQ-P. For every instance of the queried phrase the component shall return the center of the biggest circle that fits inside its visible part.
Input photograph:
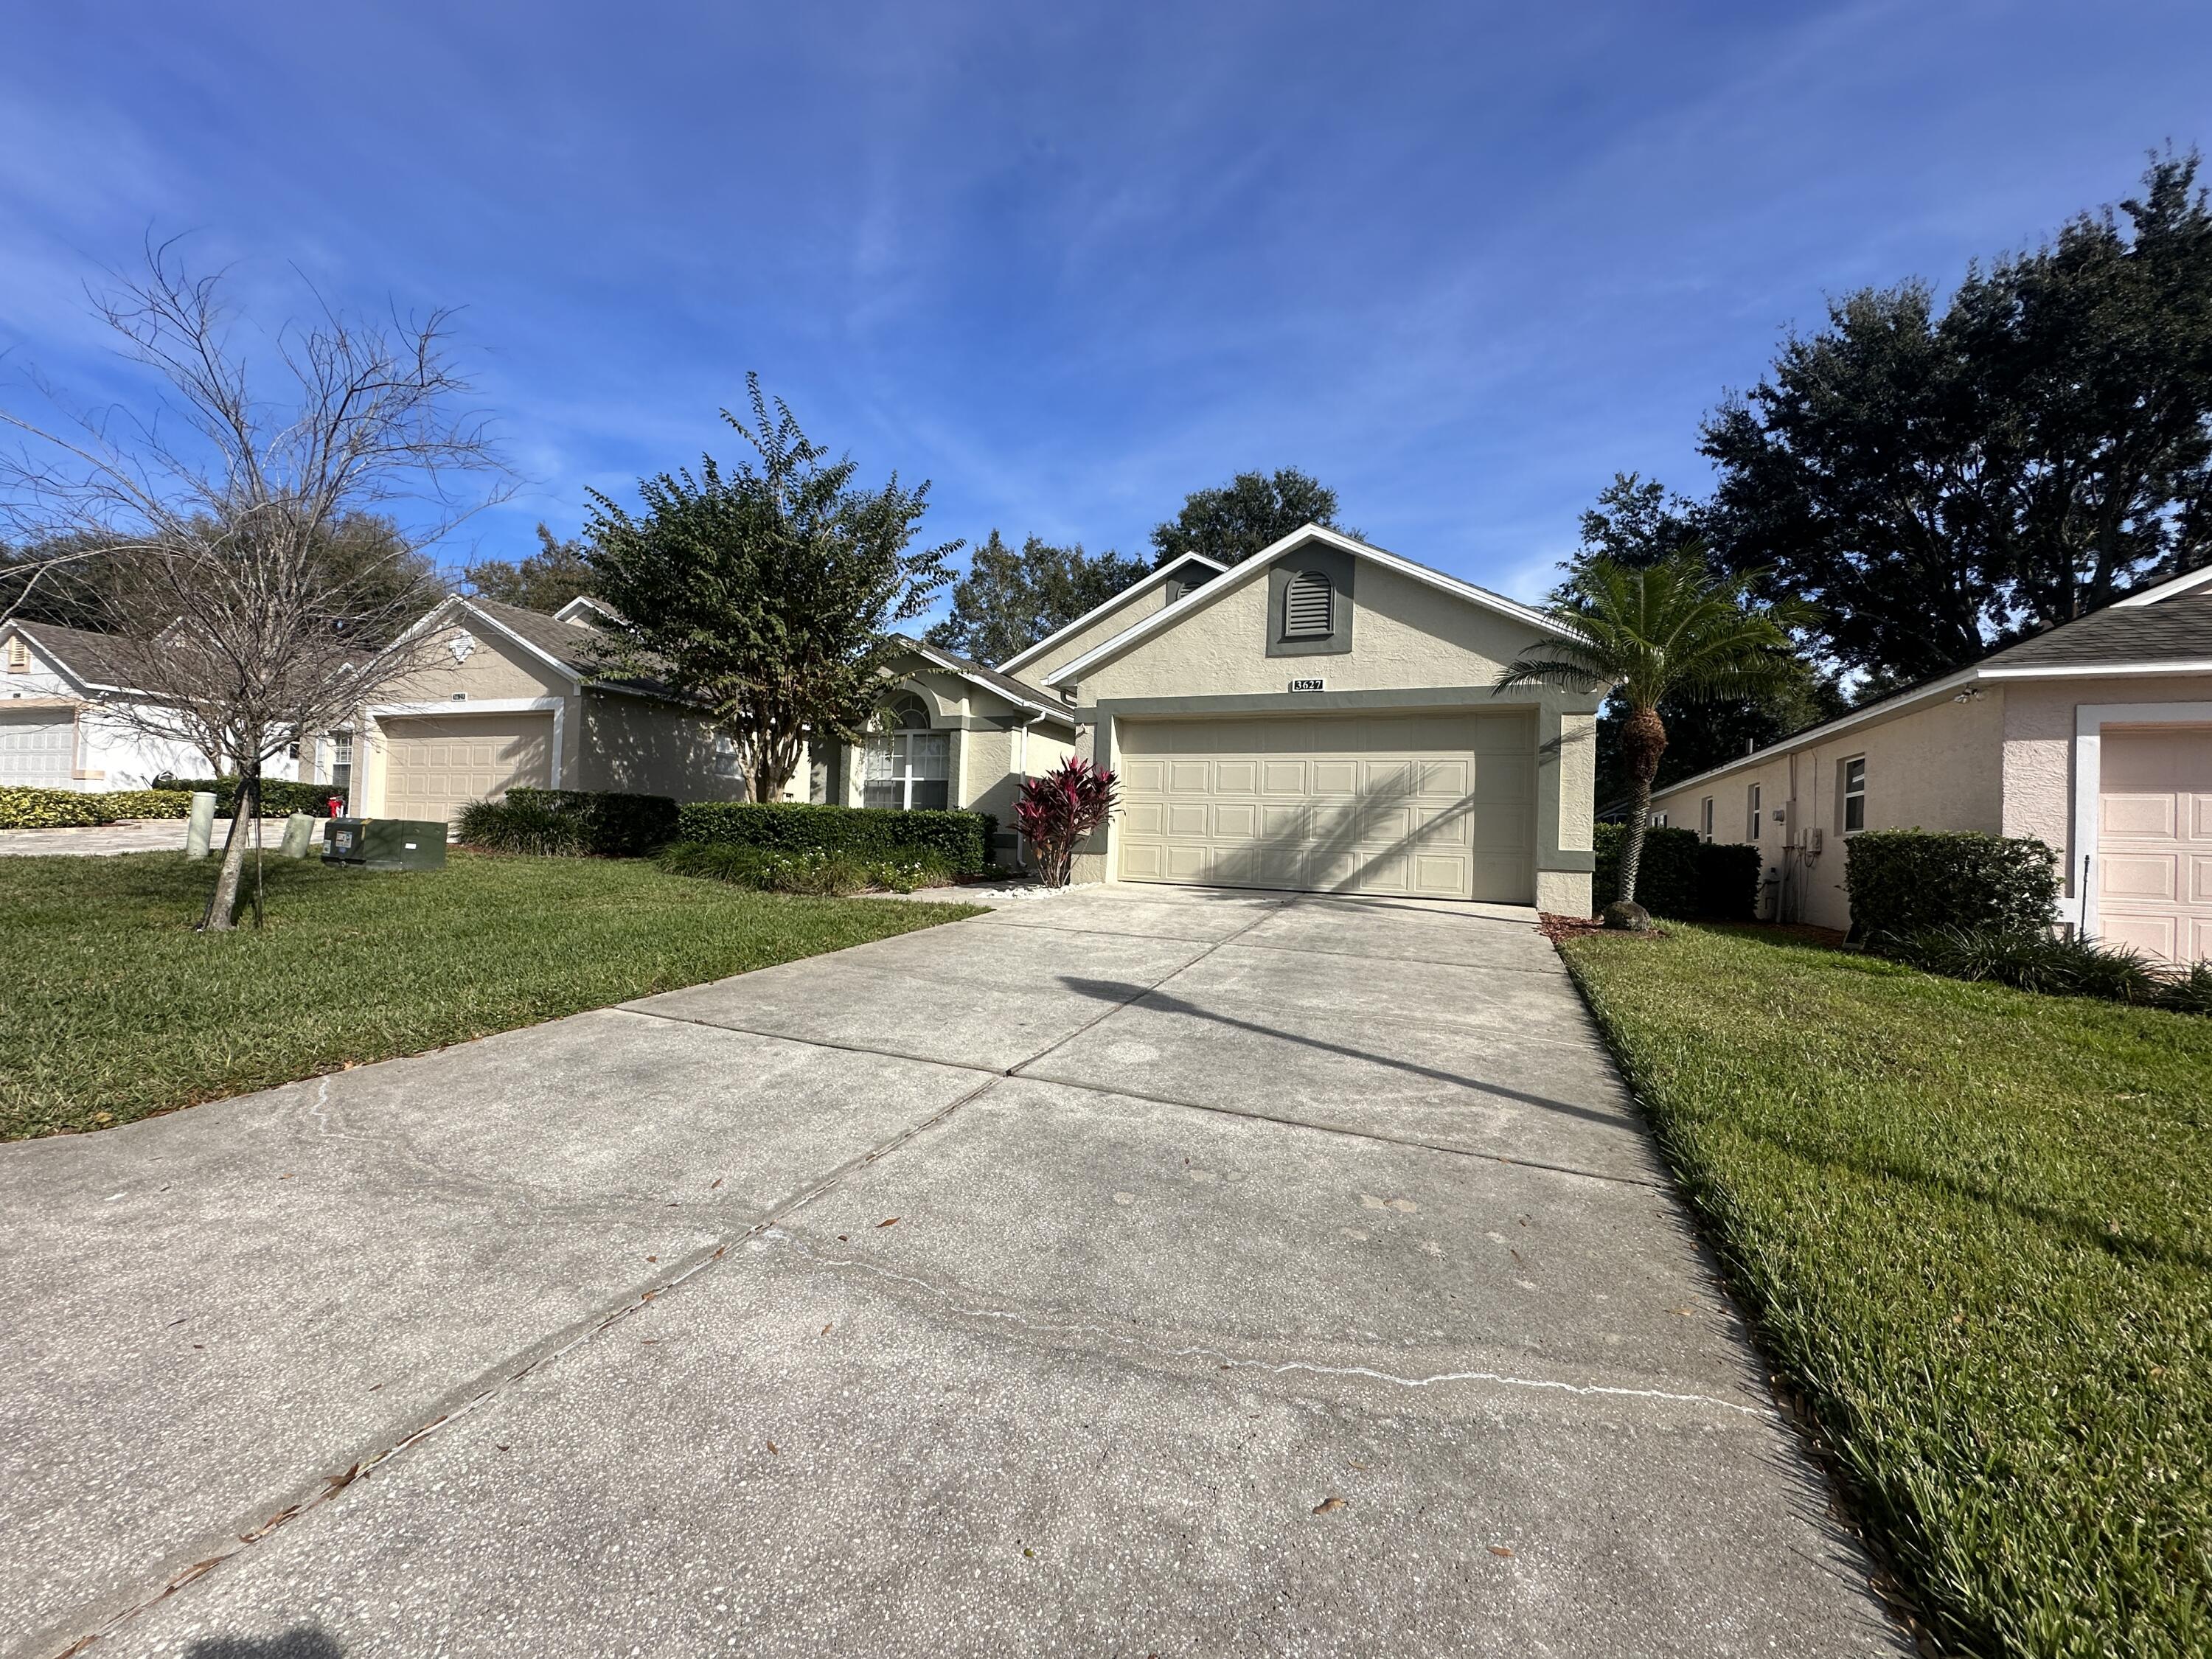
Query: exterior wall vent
(1308, 607)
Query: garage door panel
(434, 765)
(1144, 776)
(1431, 805)
(2154, 873)
(38, 748)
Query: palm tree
(1671, 630)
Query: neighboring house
(2095, 738)
(64, 725)
(1324, 716)
(509, 697)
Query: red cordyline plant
(1058, 810)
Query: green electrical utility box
(385, 844)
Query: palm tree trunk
(1642, 740)
(1632, 853)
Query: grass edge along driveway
(1972, 1227)
(116, 1009)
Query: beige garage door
(433, 765)
(1434, 805)
(2154, 840)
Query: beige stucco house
(2095, 738)
(1325, 716)
(508, 698)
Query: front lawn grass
(114, 1008)
(1973, 1230)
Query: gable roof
(1018, 692)
(1142, 584)
(2163, 630)
(97, 661)
(571, 651)
(1257, 565)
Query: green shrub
(828, 874)
(522, 826)
(280, 797)
(2038, 960)
(51, 809)
(614, 824)
(147, 803)
(1903, 882)
(961, 840)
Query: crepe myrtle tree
(767, 592)
(1671, 631)
(252, 538)
(1054, 813)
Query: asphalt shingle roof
(2178, 630)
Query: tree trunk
(1642, 740)
(222, 907)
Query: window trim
(1847, 796)
(899, 741)
(1706, 818)
(1755, 817)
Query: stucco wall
(651, 748)
(1405, 633)
(2038, 750)
(494, 670)
(1937, 767)
(1122, 618)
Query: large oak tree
(1937, 479)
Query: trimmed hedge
(826, 875)
(24, 808)
(959, 841)
(521, 826)
(615, 825)
(1681, 876)
(280, 797)
(1909, 881)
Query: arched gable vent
(1308, 607)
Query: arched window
(908, 766)
(1308, 607)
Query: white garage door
(38, 747)
(434, 764)
(2154, 840)
(1431, 806)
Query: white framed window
(1658, 820)
(1757, 816)
(909, 767)
(729, 755)
(1854, 794)
(1705, 817)
(341, 763)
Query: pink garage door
(2154, 839)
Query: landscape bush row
(611, 824)
(22, 808)
(1681, 876)
(826, 874)
(280, 797)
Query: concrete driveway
(1131, 1272)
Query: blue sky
(1070, 262)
